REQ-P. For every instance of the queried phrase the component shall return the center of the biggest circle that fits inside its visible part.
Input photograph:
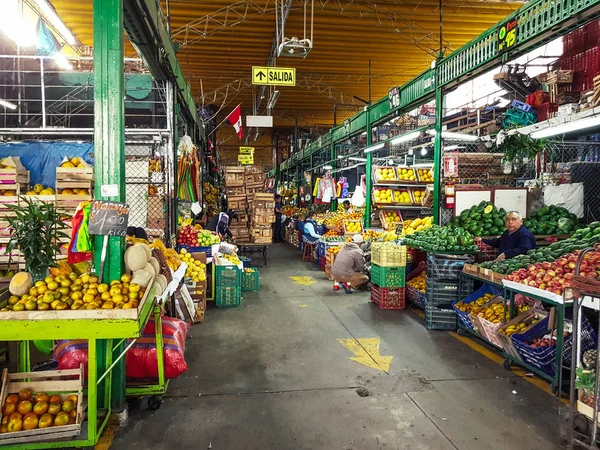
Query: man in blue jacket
(516, 240)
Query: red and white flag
(235, 119)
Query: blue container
(464, 317)
(544, 358)
(207, 250)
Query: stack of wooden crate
(254, 180)
(73, 186)
(262, 217)
(236, 199)
(14, 181)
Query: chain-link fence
(146, 186)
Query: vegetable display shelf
(104, 330)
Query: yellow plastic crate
(386, 255)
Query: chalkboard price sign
(108, 218)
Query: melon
(148, 268)
(158, 289)
(155, 264)
(142, 278)
(135, 258)
(162, 280)
(146, 248)
(20, 284)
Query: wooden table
(250, 248)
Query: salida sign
(274, 76)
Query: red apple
(571, 265)
(546, 278)
(545, 265)
(533, 283)
(568, 276)
(542, 286)
(562, 261)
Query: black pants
(278, 232)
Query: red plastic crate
(487, 252)
(388, 298)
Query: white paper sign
(196, 208)
(109, 190)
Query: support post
(43, 89)
(333, 157)
(109, 145)
(437, 148)
(368, 170)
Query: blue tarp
(42, 158)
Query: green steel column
(109, 144)
(437, 149)
(368, 167)
(333, 157)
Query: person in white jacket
(349, 266)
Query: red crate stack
(388, 298)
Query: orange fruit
(25, 394)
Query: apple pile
(194, 236)
(556, 276)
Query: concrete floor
(272, 375)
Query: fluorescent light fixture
(455, 136)
(16, 29)
(354, 158)
(7, 104)
(372, 148)
(50, 15)
(341, 156)
(567, 127)
(452, 147)
(327, 167)
(405, 138)
(423, 151)
(273, 100)
(62, 61)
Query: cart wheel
(507, 364)
(154, 402)
(461, 332)
(554, 389)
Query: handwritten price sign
(109, 218)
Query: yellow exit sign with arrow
(274, 76)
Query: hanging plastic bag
(358, 198)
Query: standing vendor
(349, 266)
(278, 227)
(220, 223)
(516, 240)
(309, 233)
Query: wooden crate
(41, 198)
(75, 174)
(262, 205)
(258, 232)
(254, 178)
(242, 219)
(235, 190)
(255, 188)
(261, 240)
(237, 202)
(60, 382)
(234, 176)
(13, 176)
(262, 217)
(239, 231)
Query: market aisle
(272, 375)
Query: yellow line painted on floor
(367, 353)
(538, 382)
(108, 435)
(467, 340)
(304, 281)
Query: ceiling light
(54, 20)
(455, 136)
(7, 104)
(16, 29)
(327, 167)
(62, 61)
(423, 151)
(567, 127)
(372, 148)
(354, 158)
(452, 147)
(406, 138)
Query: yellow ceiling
(400, 38)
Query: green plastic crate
(251, 281)
(388, 276)
(227, 297)
(228, 276)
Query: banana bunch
(154, 165)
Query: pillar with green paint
(109, 148)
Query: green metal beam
(368, 172)
(109, 146)
(146, 28)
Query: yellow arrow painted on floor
(304, 281)
(367, 353)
